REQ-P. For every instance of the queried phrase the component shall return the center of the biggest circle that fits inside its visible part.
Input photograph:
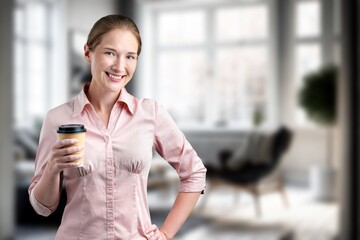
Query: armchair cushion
(262, 154)
(253, 154)
(239, 158)
(255, 151)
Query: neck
(103, 101)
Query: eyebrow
(114, 50)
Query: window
(212, 63)
(215, 64)
(32, 57)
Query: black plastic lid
(71, 128)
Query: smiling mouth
(115, 77)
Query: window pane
(185, 27)
(308, 58)
(36, 79)
(181, 80)
(36, 21)
(242, 23)
(308, 19)
(242, 78)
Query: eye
(131, 57)
(109, 53)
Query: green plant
(318, 98)
(318, 95)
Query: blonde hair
(108, 23)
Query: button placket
(114, 117)
(109, 165)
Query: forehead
(120, 39)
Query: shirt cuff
(39, 207)
(194, 185)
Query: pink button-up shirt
(107, 196)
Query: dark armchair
(249, 167)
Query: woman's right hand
(64, 155)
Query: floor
(226, 217)
(232, 216)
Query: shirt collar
(128, 99)
(81, 100)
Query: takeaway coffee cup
(68, 131)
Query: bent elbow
(39, 208)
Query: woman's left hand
(153, 233)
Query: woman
(107, 196)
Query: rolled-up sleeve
(46, 140)
(40, 208)
(172, 145)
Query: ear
(87, 53)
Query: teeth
(115, 76)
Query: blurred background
(257, 86)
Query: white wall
(82, 14)
(308, 148)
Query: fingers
(153, 233)
(64, 142)
(68, 150)
(66, 147)
(151, 228)
(65, 154)
(68, 158)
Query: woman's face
(113, 61)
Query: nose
(119, 64)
